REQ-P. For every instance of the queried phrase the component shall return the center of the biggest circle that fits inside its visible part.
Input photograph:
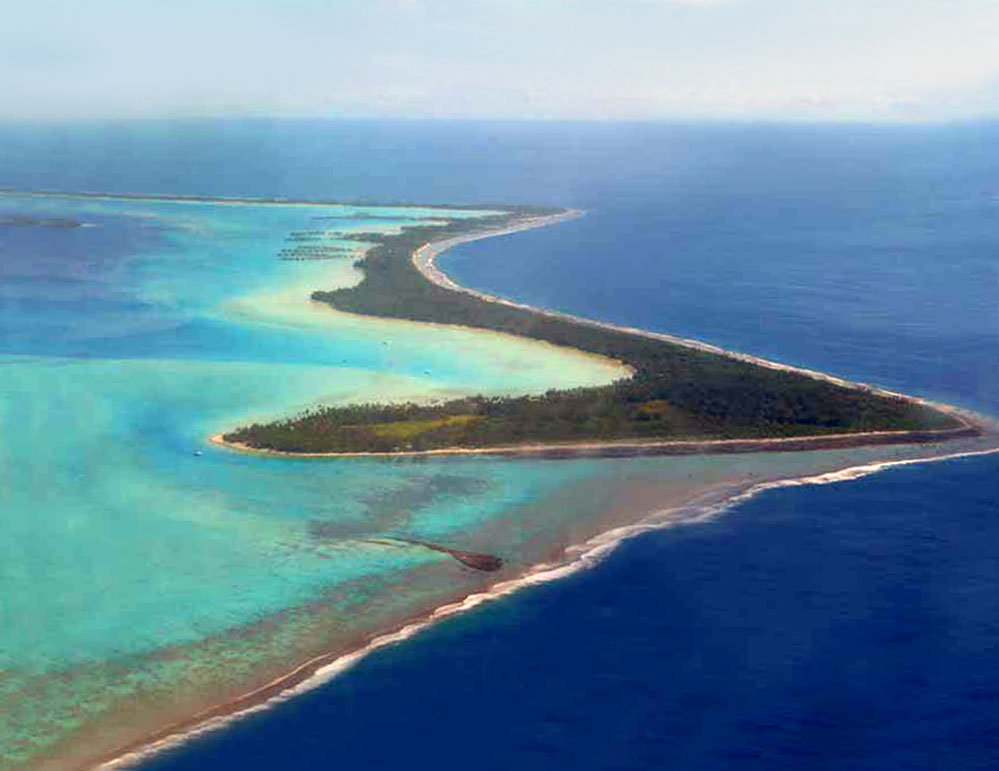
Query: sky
(868, 60)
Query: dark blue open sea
(851, 625)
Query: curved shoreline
(634, 449)
(325, 666)
(243, 200)
(424, 260)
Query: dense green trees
(675, 391)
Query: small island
(24, 220)
(682, 396)
(485, 563)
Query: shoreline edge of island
(424, 260)
(326, 666)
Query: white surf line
(582, 557)
(423, 259)
(86, 195)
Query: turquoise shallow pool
(130, 340)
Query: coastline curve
(325, 667)
(423, 260)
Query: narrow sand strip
(711, 501)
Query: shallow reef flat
(138, 562)
(152, 581)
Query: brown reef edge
(420, 257)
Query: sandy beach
(664, 507)
(681, 505)
(424, 259)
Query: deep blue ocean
(849, 625)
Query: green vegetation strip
(675, 392)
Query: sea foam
(578, 557)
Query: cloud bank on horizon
(570, 59)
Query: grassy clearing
(406, 430)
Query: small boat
(198, 453)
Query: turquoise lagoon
(145, 574)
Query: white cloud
(565, 58)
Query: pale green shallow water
(139, 580)
(117, 541)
